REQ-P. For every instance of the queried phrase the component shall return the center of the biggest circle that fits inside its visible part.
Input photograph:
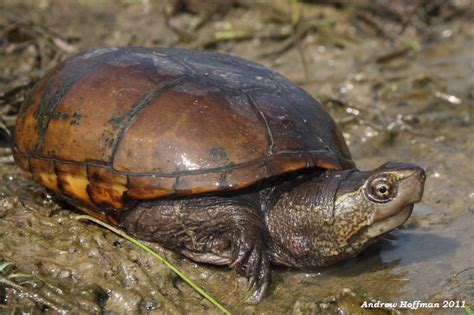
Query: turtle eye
(381, 190)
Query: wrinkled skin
(311, 221)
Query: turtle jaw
(382, 227)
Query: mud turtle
(215, 157)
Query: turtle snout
(421, 175)
(415, 185)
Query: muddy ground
(399, 80)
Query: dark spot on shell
(76, 119)
(218, 154)
(96, 177)
(110, 143)
(288, 124)
(115, 121)
(223, 180)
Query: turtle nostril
(422, 174)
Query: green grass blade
(159, 257)
(4, 265)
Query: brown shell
(113, 125)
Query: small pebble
(346, 290)
(93, 252)
(71, 250)
(63, 274)
(323, 306)
(133, 256)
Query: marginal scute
(22, 161)
(44, 172)
(199, 183)
(284, 163)
(144, 187)
(73, 182)
(106, 189)
(245, 176)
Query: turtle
(214, 157)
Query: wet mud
(399, 81)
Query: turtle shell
(113, 125)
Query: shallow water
(406, 99)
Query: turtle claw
(260, 281)
(249, 258)
(259, 292)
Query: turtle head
(336, 215)
(369, 204)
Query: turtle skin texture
(113, 129)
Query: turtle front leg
(214, 230)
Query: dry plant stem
(159, 257)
